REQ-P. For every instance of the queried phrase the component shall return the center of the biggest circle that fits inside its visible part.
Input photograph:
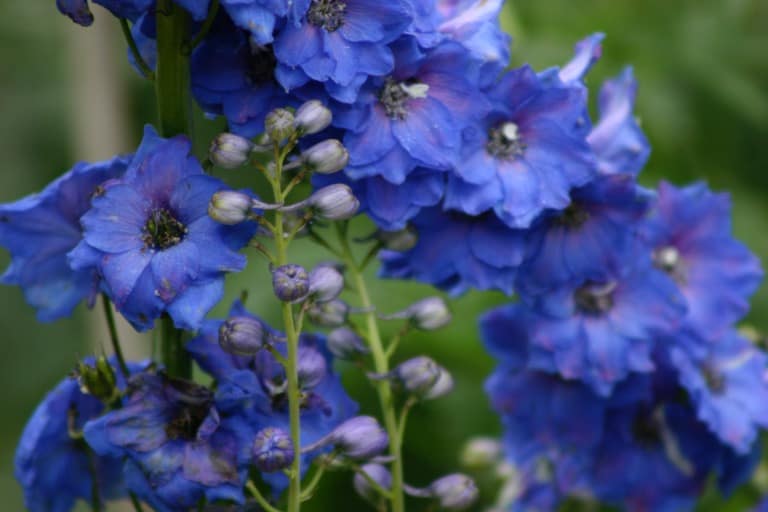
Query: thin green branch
(266, 505)
(113, 336)
(204, 29)
(143, 66)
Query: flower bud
(417, 376)
(333, 313)
(454, 492)
(429, 314)
(290, 282)
(312, 367)
(334, 202)
(402, 240)
(359, 438)
(272, 450)
(344, 343)
(326, 157)
(97, 379)
(378, 474)
(242, 335)
(230, 207)
(279, 124)
(312, 117)
(481, 452)
(441, 387)
(230, 151)
(325, 283)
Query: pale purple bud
(312, 367)
(455, 491)
(326, 157)
(272, 450)
(242, 335)
(230, 207)
(481, 452)
(325, 283)
(290, 282)
(334, 202)
(230, 151)
(441, 387)
(344, 343)
(417, 376)
(378, 474)
(333, 313)
(402, 240)
(429, 314)
(312, 117)
(359, 438)
(279, 124)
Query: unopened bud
(402, 240)
(417, 376)
(97, 379)
(312, 367)
(378, 474)
(272, 450)
(325, 283)
(230, 151)
(333, 313)
(359, 438)
(454, 492)
(230, 207)
(312, 117)
(344, 343)
(481, 452)
(429, 314)
(326, 157)
(290, 282)
(242, 335)
(334, 202)
(442, 386)
(279, 124)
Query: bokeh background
(67, 93)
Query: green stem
(136, 502)
(260, 498)
(143, 66)
(96, 504)
(292, 339)
(176, 360)
(110, 317)
(381, 365)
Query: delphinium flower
(176, 446)
(54, 465)
(39, 230)
(150, 237)
(259, 381)
(339, 43)
(689, 232)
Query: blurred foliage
(703, 101)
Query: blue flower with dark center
(728, 388)
(235, 77)
(456, 252)
(593, 238)
(528, 153)
(176, 446)
(689, 231)
(341, 42)
(150, 237)
(39, 230)
(257, 385)
(56, 469)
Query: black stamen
(595, 299)
(504, 142)
(327, 14)
(162, 230)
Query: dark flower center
(572, 217)
(192, 405)
(595, 299)
(327, 14)
(504, 142)
(646, 430)
(260, 65)
(162, 230)
(394, 96)
(669, 260)
(714, 379)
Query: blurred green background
(703, 102)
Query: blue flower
(594, 238)
(617, 139)
(340, 41)
(39, 230)
(456, 252)
(728, 388)
(257, 385)
(258, 17)
(150, 238)
(55, 469)
(527, 154)
(689, 231)
(77, 10)
(176, 446)
(234, 77)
